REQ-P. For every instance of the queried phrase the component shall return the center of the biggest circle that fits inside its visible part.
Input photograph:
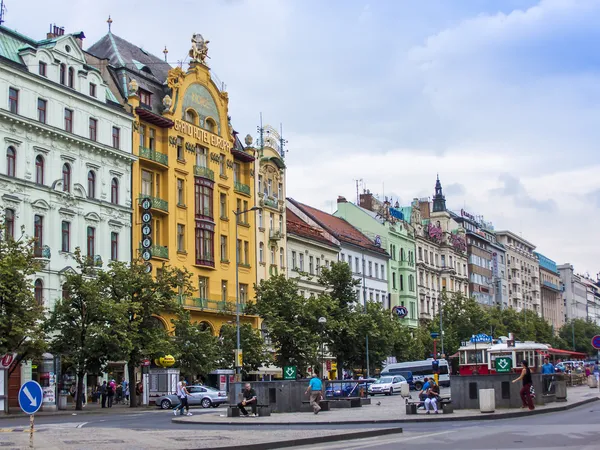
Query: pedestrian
(178, 393)
(111, 392)
(596, 372)
(103, 393)
(315, 389)
(139, 391)
(548, 371)
(183, 400)
(248, 398)
(433, 394)
(125, 385)
(527, 384)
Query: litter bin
(561, 389)
(405, 390)
(62, 401)
(487, 401)
(592, 381)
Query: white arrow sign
(290, 371)
(502, 363)
(30, 397)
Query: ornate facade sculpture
(199, 50)
(174, 77)
(133, 87)
(167, 101)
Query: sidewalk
(389, 410)
(90, 408)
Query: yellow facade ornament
(133, 87)
(199, 50)
(174, 77)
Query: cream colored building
(552, 306)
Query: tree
(144, 298)
(197, 351)
(291, 325)
(578, 334)
(87, 327)
(20, 315)
(255, 353)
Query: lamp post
(322, 322)
(364, 269)
(238, 350)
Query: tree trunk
(133, 400)
(79, 391)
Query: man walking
(249, 398)
(547, 371)
(315, 388)
(103, 392)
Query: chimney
(55, 31)
(425, 209)
(79, 39)
(341, 199)
(366, 200)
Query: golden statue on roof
(199, 50)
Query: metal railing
(157, 203)
(270, 202)
(204, 172)
(242, 188)
(153, 155)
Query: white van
(419, 370)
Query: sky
(501, 98)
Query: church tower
(439, 201)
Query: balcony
(270, 202)
(204, 172)
(241, 188)
(158, 251)
(153, 155)
(275, 235)
(157, 203)
(204, 303)
(550, 285)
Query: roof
(341, 229)
(295, 225)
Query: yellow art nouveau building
(193, 179)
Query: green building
(385, 225)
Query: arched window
(114, 191)
(261, 252)
(39, 292)
(11, 161)
(205, 326)
(91, 184)
(66, 177)
(191, 116)
(211, 126)
(156, 323)
(9, 222)
(63, 74)
(281, 257)
(39, 169)
(71, 77)
(65, 292)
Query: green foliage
(584, 331)
(87, 327)
(20, 315)
(255, 353)
(197, 351)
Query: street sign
(289, 372)
(503, 364)
(481, 339)
(239, 357)
(30, 397)
(596, 342)
(400, 311)
(434, 335)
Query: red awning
(154, 119)
(566, 352)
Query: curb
(312, 440)
(70, 412)
(434, 418)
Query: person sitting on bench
(249, 398)
(433, 394)
(424, 392)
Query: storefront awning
(268, 370)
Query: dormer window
(211, 125)
(42, 68)
(145, 98)
(191, 116)
(92, 90)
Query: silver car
(204, 396)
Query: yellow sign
(165, 361)
(239, 358)
(202, 135)
(333, 366)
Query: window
(243, 293)
(68, 120)
(114, 191)
(269, 187)
(411, 283)
(13, 100)
(273, 256)
(93, 129)
(39, 169)
(238, 209)
(92, 89)
(180, 238)
(370, 268)
(224, 290)
(203, 200)
(281, 258)
(281, 224)
(238, 251)
(91, 184)
(190, 116)
(271, 220)
(145, 97)
(260, 219)
(66, 237)
(152, 139)
(201, 156)
(356, 265)
(204, 246)
(116, 137)
(9, 222)
(39, 292)
(311, 269)
(71, 77)
(66, 177)
(343, 257)
(203, 287)
(318, 266)
(223, 205)
(142, 135)
(224, 256)
(376, 270)
(222, 165)
(261, 253)
(294, 266)
(180, 156)
(236, 172)
(91, 242)
(63, 74)
(280, 191)
(210, 125)
(246, 253)
(42, 104)
(245, 206)
(114, 246)
(301, 262)
(42, 68)
(38, 234)
(180, 192)
(260, 183)
(147, 183)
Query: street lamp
(322, 322)
(238, 350)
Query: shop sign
(202, 135)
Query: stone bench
(262, 410)
(324, 404)
(444, 403)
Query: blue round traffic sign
(30, 397)
(400, 311)
(596, 342)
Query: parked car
(204, 396)
(347, 388)
(388, 385)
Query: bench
(444, 403)
(234, 411)
(324, 404)
(345, 402)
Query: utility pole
(441, 331)
(357, 192)
(364, 267)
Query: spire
(109, 22)
(439, 201)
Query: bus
(419, 370)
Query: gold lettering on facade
(202, 135)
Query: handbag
(532, 391)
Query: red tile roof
(341, 229)
(295, 225)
